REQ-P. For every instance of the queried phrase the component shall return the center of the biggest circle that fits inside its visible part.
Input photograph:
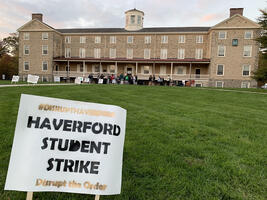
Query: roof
(144, 30)
(135, 10)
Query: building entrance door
(129, 70)
(197, 73)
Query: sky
(110, 13)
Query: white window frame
(199, 39)
(112, 39)
(218, 68)
(97, 39)
(181, 54)
(94, 66)
(249, 70)
(26, 36)
(82, 52)
(130, 39)
(147, 39)
(24, 66)
(45, 36)
(97, 53)
(250, 50)
(67, 52)
(224, 50)
(80, 68)
(143, 68)
(163, 53)
(82, 39)
(199, 54)
(111, 70)
(181, 39)
(129, 53)
(112, 53)
(161, 69)
(24, 49)
(132, 19)
(43, 66)
(164, 39)
(246, 82)
(183, 69)
(147, 53)
(222, 38)
(251, 35)
(219, 82)
(67, 39)
(43, 48)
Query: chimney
(37, 16)
(234, 11)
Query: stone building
(223, 55)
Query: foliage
(8, 66)
(180, 144)
(12, 44)
(261, 73)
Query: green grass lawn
(181, 143)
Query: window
(235, 42)
(56, 68)
(67, 68)
(219, 84)
(139, 20)
(162, 69)
(112, 53)
(26, 50)
(97, 39)
(199, 53)
(164, 39)
(147, 39)
(146, 53)
(82, 52)
(68, 39)
(26, 66)
(181, 39)
(221, 51)
(26, 36)
(181, 53)
(44, 36)
(44, 79)
(246, 70)
(97, 53)
(79, 68)
(96, 68)
(112, 39)
(146, 70)
(82, 39)
(112, 69)
(247, 51)
(222, 35)
(44, 66)
(220, 70)
(67, 52)
(44, 49)
(248, 35)
(245, 85)
(129, 39)
(129, 53)
(163, 53)
(181, 70)
(132, 19)
(199, 39)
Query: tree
(8, 66)
(12, 44)
(3, 49)
(261, 73)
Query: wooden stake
(29, 195)
(97, 197)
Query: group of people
(112, 79)
(132, 79)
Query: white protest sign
(100, 81)
(32, 79)
(86, 80)
(67, 146)
(15, 79)
(56, 79)
(77, 80)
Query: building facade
(224, 55)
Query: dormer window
(132, 19)
(139, 20)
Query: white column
(83, 68)
(190, 70)
(116, 69)
(101, 68)
(171, 69)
